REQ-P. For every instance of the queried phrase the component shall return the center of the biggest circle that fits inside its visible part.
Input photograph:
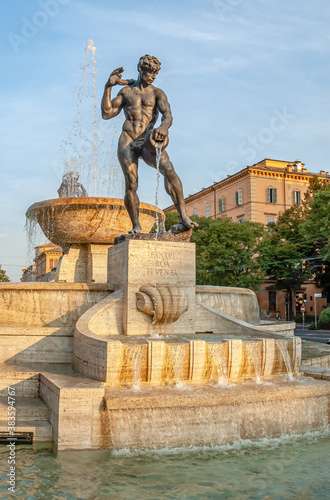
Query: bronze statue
(70, 187)
(141, 102)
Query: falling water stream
(158, 156)
(219, 361)
(282, 345)
(255, 357)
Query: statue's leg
(128, 160)
(173, 185)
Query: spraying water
(92, 49)
(90, 148)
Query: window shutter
(236, 197)
(268, 195)
(240, 196)
(219, 205)
(275, 195)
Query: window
(296, 197)
(221, 204)
(270, 219)
(271, 195)
(239, 197)
(55, 262)
(195, 211)
(272, 301)
(207, 210)
(51, 263)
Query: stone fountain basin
(88, 220)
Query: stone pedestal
(84, 263)
(158, 282)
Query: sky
(246, 80)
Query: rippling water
(290, 467)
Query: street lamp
(316, 296)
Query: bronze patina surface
(142, 102)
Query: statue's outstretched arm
(111, 108)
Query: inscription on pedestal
(158, 282)
(163, 264)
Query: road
(313, 335)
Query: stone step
(26, 409)
(42, 430)
(25, 383)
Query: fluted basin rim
(89, 201)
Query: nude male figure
(142, 102)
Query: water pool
(289, 467)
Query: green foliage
(324, 318)
(171, 219)
(317, 226)
(3, 276)
(289, 241)
(284, 248)
(226, 253)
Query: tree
(3, 276)
(171, 219)
(288, 244)
(226, 253)
(317, 225)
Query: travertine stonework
(136, 263)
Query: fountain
(123, 350)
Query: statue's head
(148, 67)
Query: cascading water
(282, 345)
(176, 353)
(255, 356)
(134, 360)
(219, 362)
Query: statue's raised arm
(111, 108)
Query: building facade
(259, 193)
(46, 260)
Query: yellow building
(259, 193)
(46, 259)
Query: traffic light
(303, 265)
(300, 299)
(324, 268)
(305, 297)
